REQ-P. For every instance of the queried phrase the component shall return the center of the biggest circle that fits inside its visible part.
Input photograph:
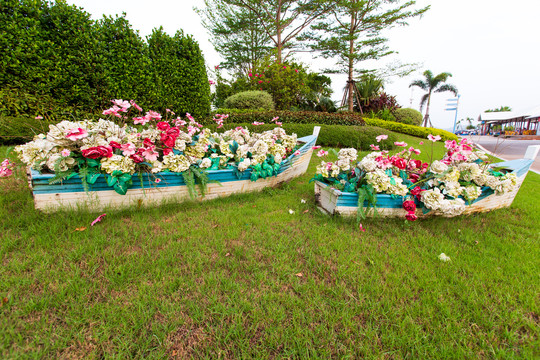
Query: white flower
(242, 166)
(438, 167)
(291, 211)
(205, 163)
(444, 258)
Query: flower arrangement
(444, 186)
(152, 143)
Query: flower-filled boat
(151, 159)
(463, 182)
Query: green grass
(221, 279)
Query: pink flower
(216, 67)
(421, 143)
(361, 228)
(163, 126)
(279, 123)
(275, 119)
(256, 123)
(98, 219)
(141, 120)
(112, 111)
(190, 118)
(65, 153)
(316, 147)
(211, 82)
(39, 117)
(450, 144)
(322, 153)
(381, 137)
(132, 102)
(400, 143)
(296, 153)
(374, 147)
(153, 115)
(137, 158)
(76, 134)
(170, 111)
(158, 180)
(413, 150)
(411, 216)
(433, 138)
(149, 153)
(260, 81)
(249, 74)
(128, 149)
(122, 104)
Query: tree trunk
(278, 33)
(351, 65)
(426, 117)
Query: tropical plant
(501, 109)
(408, 116)
(352, 33)
(432, 84)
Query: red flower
(409, 206)
(414, 177)
(163, 126)
(167, 151)
(115, 145)
(147, 142)
(98, 152)
(411, 216)
(168, 138)
(417, 191)
(137, 158)
(399, 163)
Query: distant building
(522, 122)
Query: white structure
(523, 122)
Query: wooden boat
(333, 201)
(71, 194)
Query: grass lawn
(240, 277)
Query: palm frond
(447, 87)
(442, 77)
(421, 84)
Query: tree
(236, 33)
(501, 109)
(283, 21)
(352, 33)
(432, 84)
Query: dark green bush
(408, 116)
(413, 130)
(358, 137)
(297, 117)
(55, 50)
(250, 100)
(236, 111)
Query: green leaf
(91, 178)
(110, 180)
(121, 188)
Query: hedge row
(295, 117)
(18, 130)
(358, 137)
(53, 50)
(413, 130)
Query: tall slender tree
(432, 84)
(353, 33)
(236, 33)
(282, 21)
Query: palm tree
(432, 84)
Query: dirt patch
(184, 342)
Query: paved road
(507, 149)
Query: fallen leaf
(228, 254)
(306, 211)
(299, 274)
(4, 300)
(215, 226)
(174, 353)
(80, 229)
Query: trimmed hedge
(250, 100)
(296, 117)
(408, 116)
(413, 130)
(358, 137)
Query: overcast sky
(492, 48)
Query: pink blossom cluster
(457, 152)
(6, 168)
(219, 119)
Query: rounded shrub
(408, 116)
(250, 100)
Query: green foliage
(418, 131)
(21, 129)
(359, 137)
(383, 114)
(55, 51)
(408, 116)
(500, 109)
(250, 100)
(236, 111)
(179, 79)
(297, 117)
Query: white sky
(492, 48)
